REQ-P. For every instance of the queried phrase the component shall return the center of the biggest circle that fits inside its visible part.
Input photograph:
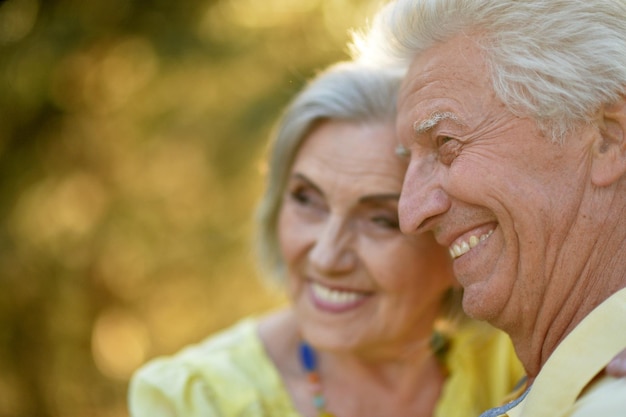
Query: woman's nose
(332, 252)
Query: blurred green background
(132, 141)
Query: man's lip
(463, 246)
(455, 237)
(461, 242)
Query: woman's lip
(334, 300)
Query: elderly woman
(357, 339)
(514, 113)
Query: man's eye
(448, 149)
(443, 140)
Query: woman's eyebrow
(374, 198)
(305, 179)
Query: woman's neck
(354, 387)
(355, 384)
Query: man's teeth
(334, 296)
(461, 248)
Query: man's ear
(609, 153)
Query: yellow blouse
(483, 370)
(230, 375)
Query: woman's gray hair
(345, 91)
(557, 61)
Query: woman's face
(356, 282)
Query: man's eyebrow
(424, 126)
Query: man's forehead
(417, 108)
(441, 82)
(448, 59)
(420, 75)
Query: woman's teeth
(335, 296)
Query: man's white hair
(557, 61)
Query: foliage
(132, 135)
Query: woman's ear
(609, 154)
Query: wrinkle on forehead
(434, 89)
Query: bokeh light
(119, 343)
(132, 154)
(17, 18)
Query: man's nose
(422, 198)
(332, 252)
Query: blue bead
(307, 357)
(318, 401)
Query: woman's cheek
(290, 237)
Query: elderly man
(514, 117)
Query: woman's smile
(355, 280)
(334, 300)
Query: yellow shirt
(580, 357)
(230, 375)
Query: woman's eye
(307, 198)
(300, 196)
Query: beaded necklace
(439, 343)
(308, 360)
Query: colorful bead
(318, 401)
(313, 377)
(307, 357)
(309, 363)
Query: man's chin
(479, 303)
